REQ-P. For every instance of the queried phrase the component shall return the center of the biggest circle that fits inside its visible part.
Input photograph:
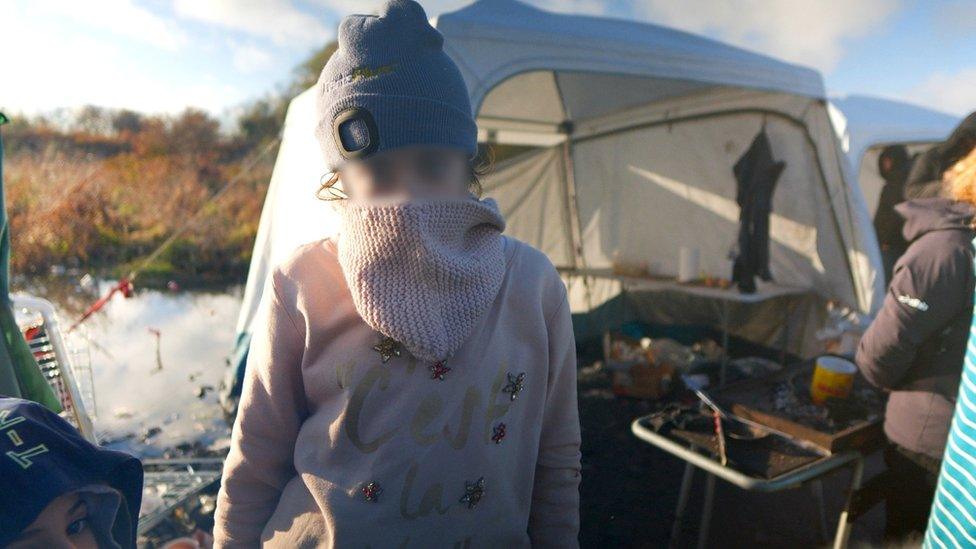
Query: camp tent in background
(866, 125)
(291, 216)
(632, 131)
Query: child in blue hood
(59, 490)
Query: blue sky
(165, 55)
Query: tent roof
(869, 121)
(538, 69)
(492, 40)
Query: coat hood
(960, 141)
(924, 215)
(925, 177)
(43, 457)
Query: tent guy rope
(125, 284)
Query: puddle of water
(141, 407)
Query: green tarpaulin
(19, 374)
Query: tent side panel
(530, 193)
(291, 216)
(851, 210)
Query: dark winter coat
(915, 346)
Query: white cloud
(957, 16)
(341, 8)
(278, 20)
(811, 32)
(197, 332)
(70, 69)
(249, 58)
(587, 7)
(950, 92)
(121, 17)
(85, 43)
(433, 8)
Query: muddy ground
(630, 489)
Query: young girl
(411, 382)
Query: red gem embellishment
(438, 370)
(371, 491)
(498, 433)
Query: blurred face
(887, 164)
(63, 524)
(408, 173)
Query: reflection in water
(157, 360)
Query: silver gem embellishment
(438, 370)
(387, 348)
(371, 491)
(515, 383)
(473, 492)
(498, 433)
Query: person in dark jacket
(59, 490)
(914, 349)
(893, 166)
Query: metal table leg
(723, 372)
(844, 525)
(696, 459)
(706, 518)
(679, 510)
(816, 488)
(787, 326)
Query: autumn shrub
(103, 203)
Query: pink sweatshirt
(334, 447)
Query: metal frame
(177, 480)
(76, 407)
(811, 472)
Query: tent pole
(566, 127)
(574, 221)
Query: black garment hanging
(756, 174)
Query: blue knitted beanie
(389, 85)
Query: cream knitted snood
(422, 272)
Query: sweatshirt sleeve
(925, 295)
(271, 410)
(554, 516)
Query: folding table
(810, 472)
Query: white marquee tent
(635, 128)
(865, 125)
